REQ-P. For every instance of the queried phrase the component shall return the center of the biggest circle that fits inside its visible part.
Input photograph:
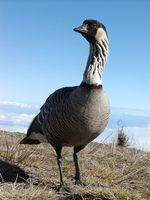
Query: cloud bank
(139, 137)
(15, 122)
(16, 116)
(14, 103)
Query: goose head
(92, 30)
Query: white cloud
(15, 103)
(16, 116)
(14, 128)
(139, 137)
(2, 117)
(15, 122)
(131, 112)
(22, 118)
(12, 120)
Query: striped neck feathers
(93, 73)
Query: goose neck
(93, 73)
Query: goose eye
(94, 25)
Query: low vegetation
(110, 172)
(122, 138)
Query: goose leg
(60, 167)
(77, 164)
(60, 164)
(62, 188)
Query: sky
(40, 52)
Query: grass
(110, 172)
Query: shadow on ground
(12, 173)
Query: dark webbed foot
(80, 183)
(65, 190)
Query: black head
(92, 30)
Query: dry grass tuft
(110, 172)
(122, 139)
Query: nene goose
(74, 116)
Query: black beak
(81, 29)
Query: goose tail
(34, 134)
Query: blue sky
(39, 52)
